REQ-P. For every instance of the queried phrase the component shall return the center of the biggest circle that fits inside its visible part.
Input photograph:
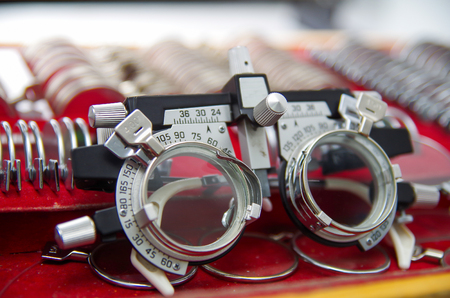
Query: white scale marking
(141, 243)
(206, 133)
(302, 121)
(198, 115)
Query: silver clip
(136, 129)
(371, 110)
(122, 150)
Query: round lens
(428, 164)
(340, 181)
(194, 192)
(341, 259)
(265, 260)
(112, 262)
(350, 179)
(341, 186)
(195, 199)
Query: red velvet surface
(72, 279)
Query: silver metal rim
(255, 279)
(134, 285)
(322, 265)
(243, 196)
(297, 187)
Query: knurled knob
(270, 109)
(106, 115)
(103, 134)
(75, 233)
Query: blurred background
(144, 23)
(114, 49)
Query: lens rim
(256, 279)
(310, 215)
(130, 284)
(384, 267)
(238, 181)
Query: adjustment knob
(75, 233)
(103, 134)
(106, 115)
(270, 109)
(426, 196)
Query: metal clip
(434, 254)
(348, 111)
(123, 151)
(371, 110)
(136, 129)
(51, 251)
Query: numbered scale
(337, 183)
(203, 124)
(304, 120)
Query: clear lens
(341, 186)
(265, 260)
(111, 261)
(340, 181)
(196, 199)
(341, 259)
(195, 193)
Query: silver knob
(107, 115)
(75, 233)
(269, 110)
(427, 196)
(103, 134)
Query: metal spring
(412, 87)
(51, 162)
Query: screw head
(221, 129)
(283, 126)
(369, 241)
(123, 212)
